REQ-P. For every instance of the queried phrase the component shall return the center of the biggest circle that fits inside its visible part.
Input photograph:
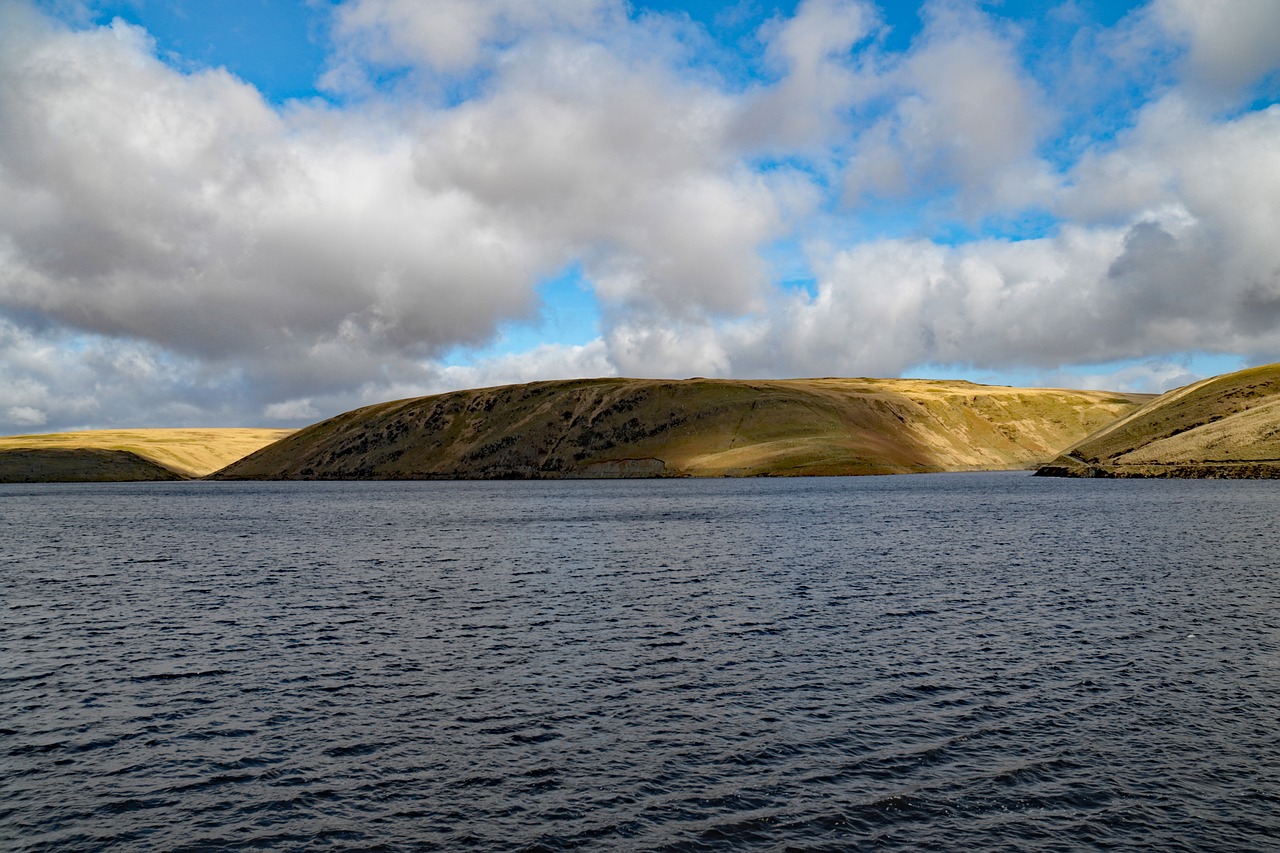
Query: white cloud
(820, 80)
(1152, 376)
(1232, 43)
(25, 416)
(622, 167)
(301, 411)
(1202, 196)
(196, 217)
(79, 381)
(174, 249)
(456, 35)
(965, 116)
(1165, 282)
(314, 248)
(546, 361)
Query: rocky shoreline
(1268, 470)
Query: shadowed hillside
(79, 466)
(695, 427)
(1227, 426)
(181, 452)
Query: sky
(262, 213)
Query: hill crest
(695, 427)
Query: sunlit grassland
(190, 452)
(1227, 425)
(694, 427)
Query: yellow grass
(193, 452)
(697, 427)
(1234, 417)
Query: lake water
(986, 661)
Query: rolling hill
(694, 427)
(159, 454)
(1227, 426)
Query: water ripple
(910, 663)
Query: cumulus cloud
(196, 217)
(1203, 194)
(58, 378)
(1231, 43)
(887, 305)
(1194, 270)
(545, 361)
(966, 117)
(25, 416)
(311, 247)
(292, 410)
(176, 250)
(622, 168)
(820, 79)
(456, 35)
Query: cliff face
(697, 427)
(1224, 427)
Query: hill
(694, 427)
(182, 452)
(81, 465)
(1227, 426)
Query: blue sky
(278, 46)
(261, 212)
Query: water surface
(898, 663)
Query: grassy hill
(1227, 426)
(79, 465)
(695, 427)
(183, 453)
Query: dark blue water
(900, 663)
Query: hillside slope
(695, 427)
(185, 452)
(1227, 426)
(79, 465)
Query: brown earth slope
(1227, 426)
(695, 427)
(183, 452)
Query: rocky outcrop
(1218, 471)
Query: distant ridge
(1224, 427)
(169, 453)
(695, 427)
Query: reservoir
(930, 662)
